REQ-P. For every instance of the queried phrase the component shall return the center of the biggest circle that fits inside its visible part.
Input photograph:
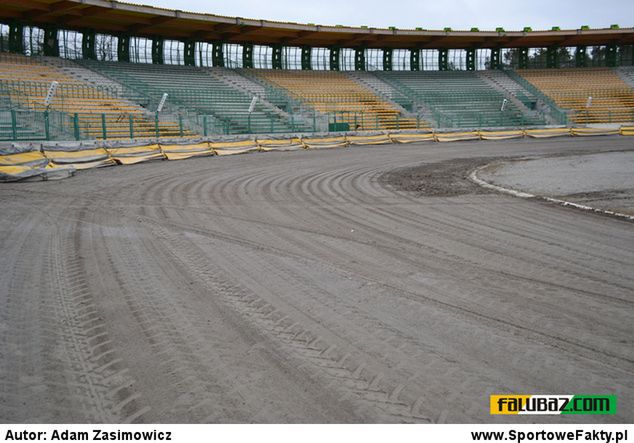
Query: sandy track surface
(303, 287)
(603, 181)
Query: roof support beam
(156, 21)
(53, 8)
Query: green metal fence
(27, 125)
(21, 125)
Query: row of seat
(198, 90)
(337, 94)
(452, 98)
(459, 99)
(592, 95)
(25, 81)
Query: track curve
(298, 287)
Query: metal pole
(47, 126)
(156, 124)
(76, 126)
(14, 124)
(180, 124)
(103, 126)
(204, 124)
(131, 126)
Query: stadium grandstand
(94, 69)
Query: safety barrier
(500, 135)
(49, 162)
(234, 147)
(378, 139)
(457, 136)
(183, 151)
(547, 133)
(30, 164)
(325, 142)
(594, 131)
(129, 155)
(416, 137)
(290, 144)
(79, 157)
(33, 159)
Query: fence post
(104, 133)
(180, 125)
(249, 123)
(205, 125)
(314, 121)
(76, 126)
(131, 126)
(156, 124)
(47, 125)
(376, 123)
(14, 124)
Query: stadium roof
(112, 17)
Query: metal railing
(21, 125)
(560, 116)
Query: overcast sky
(428, 14)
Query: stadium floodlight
(50, 95)
(503, 107)
(254, 100)
(162, 102)
(589, 102)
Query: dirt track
(300, 287)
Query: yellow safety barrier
(500, 135)
(594, 131)
(135, 154)
(16, 173)
(411, 138)
(547, 133)
(290, 144)
(81, 159)
(181, 152)
(457, 136)
(378, 139)
(56, 162)
(325, 142)
(30, 164)
(230, 148)
(627, 130)
(31, 159)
